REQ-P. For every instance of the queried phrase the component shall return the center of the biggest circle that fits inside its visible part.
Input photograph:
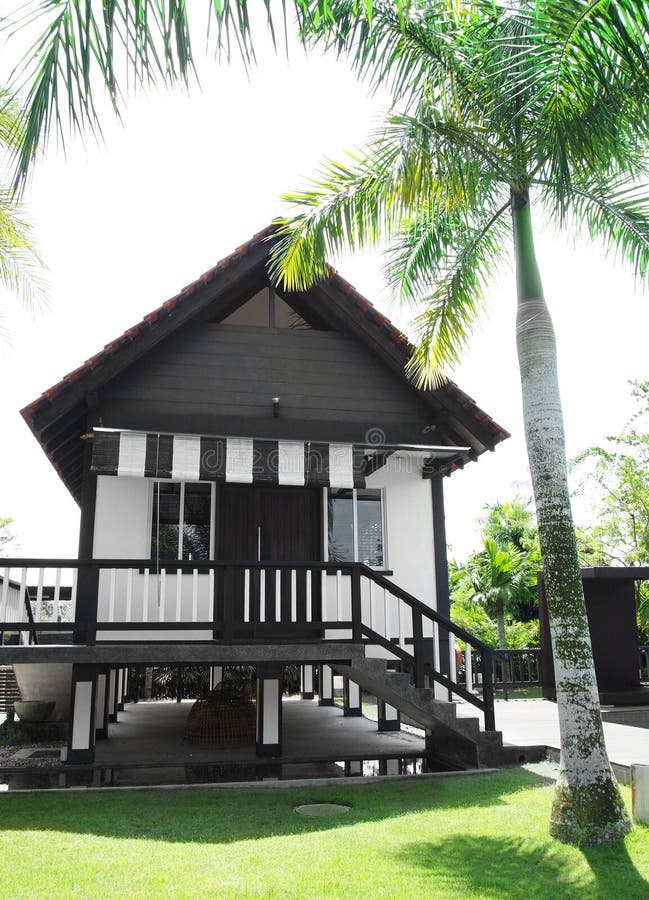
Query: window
(181, 525)
(355, 526)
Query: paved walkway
(537, 722)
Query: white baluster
(325, 599)
(21, 612)
(195, 595)
(39, 596)
(468, 667)
(309, 600)
(386, 616)
(262, 595)
(246, 595)
(73, 594)
(179, 593)
(402, 640)
(293, 595)
(111, 596)
(163, 587)
(451, 658)
(278, 595)
(5, 596)
(372, 586)
(210, 596)
(145, 597)
(339, 594)
(129, 594)
(57, 594)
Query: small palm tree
(498, 575)
(479, 134)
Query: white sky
(125, 225)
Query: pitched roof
(58, 417)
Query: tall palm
(20, 265)
(483, 128)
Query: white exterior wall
(409, 526)
(123, 531)
(409, 555)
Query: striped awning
(232, 459)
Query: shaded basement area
(145, 747)
(317, 741)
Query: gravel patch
(11, 757)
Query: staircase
(8, 689)
(455, 740)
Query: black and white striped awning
(232, 459)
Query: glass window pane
(196, 524)
(341, 526)
(166, 515)
(370, 528)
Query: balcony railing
(111, 600)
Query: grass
(482, 836)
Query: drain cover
(315, 810)
(45, 754)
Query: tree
(494, 592)
(20, 265)
(6, 536)
(498, 575)
(481, 130)
(513, 523)
(488, 117)
(618, 475)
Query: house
(259, 482)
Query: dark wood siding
(218, 376)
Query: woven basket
(224, 718)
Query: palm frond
(616, 212)
(21, 268)
(448, 263)
(86, 47)
(363, 201)
(408, 46)
(349, 206)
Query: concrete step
(455, 739)
(451, 744)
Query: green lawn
(478, 836)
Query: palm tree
(482, 129)
(20, 265)
(491, 113)
(498, 575)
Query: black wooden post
(352, 705)
(418, 648)
(357, 633)
(269, 709)
(81, 740)
(443, 601)
(488, 690)
(85, 620)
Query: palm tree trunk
(502, 642)
(587, 806)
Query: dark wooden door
(288, 522)
(272, 525)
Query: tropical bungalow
(259, 483)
